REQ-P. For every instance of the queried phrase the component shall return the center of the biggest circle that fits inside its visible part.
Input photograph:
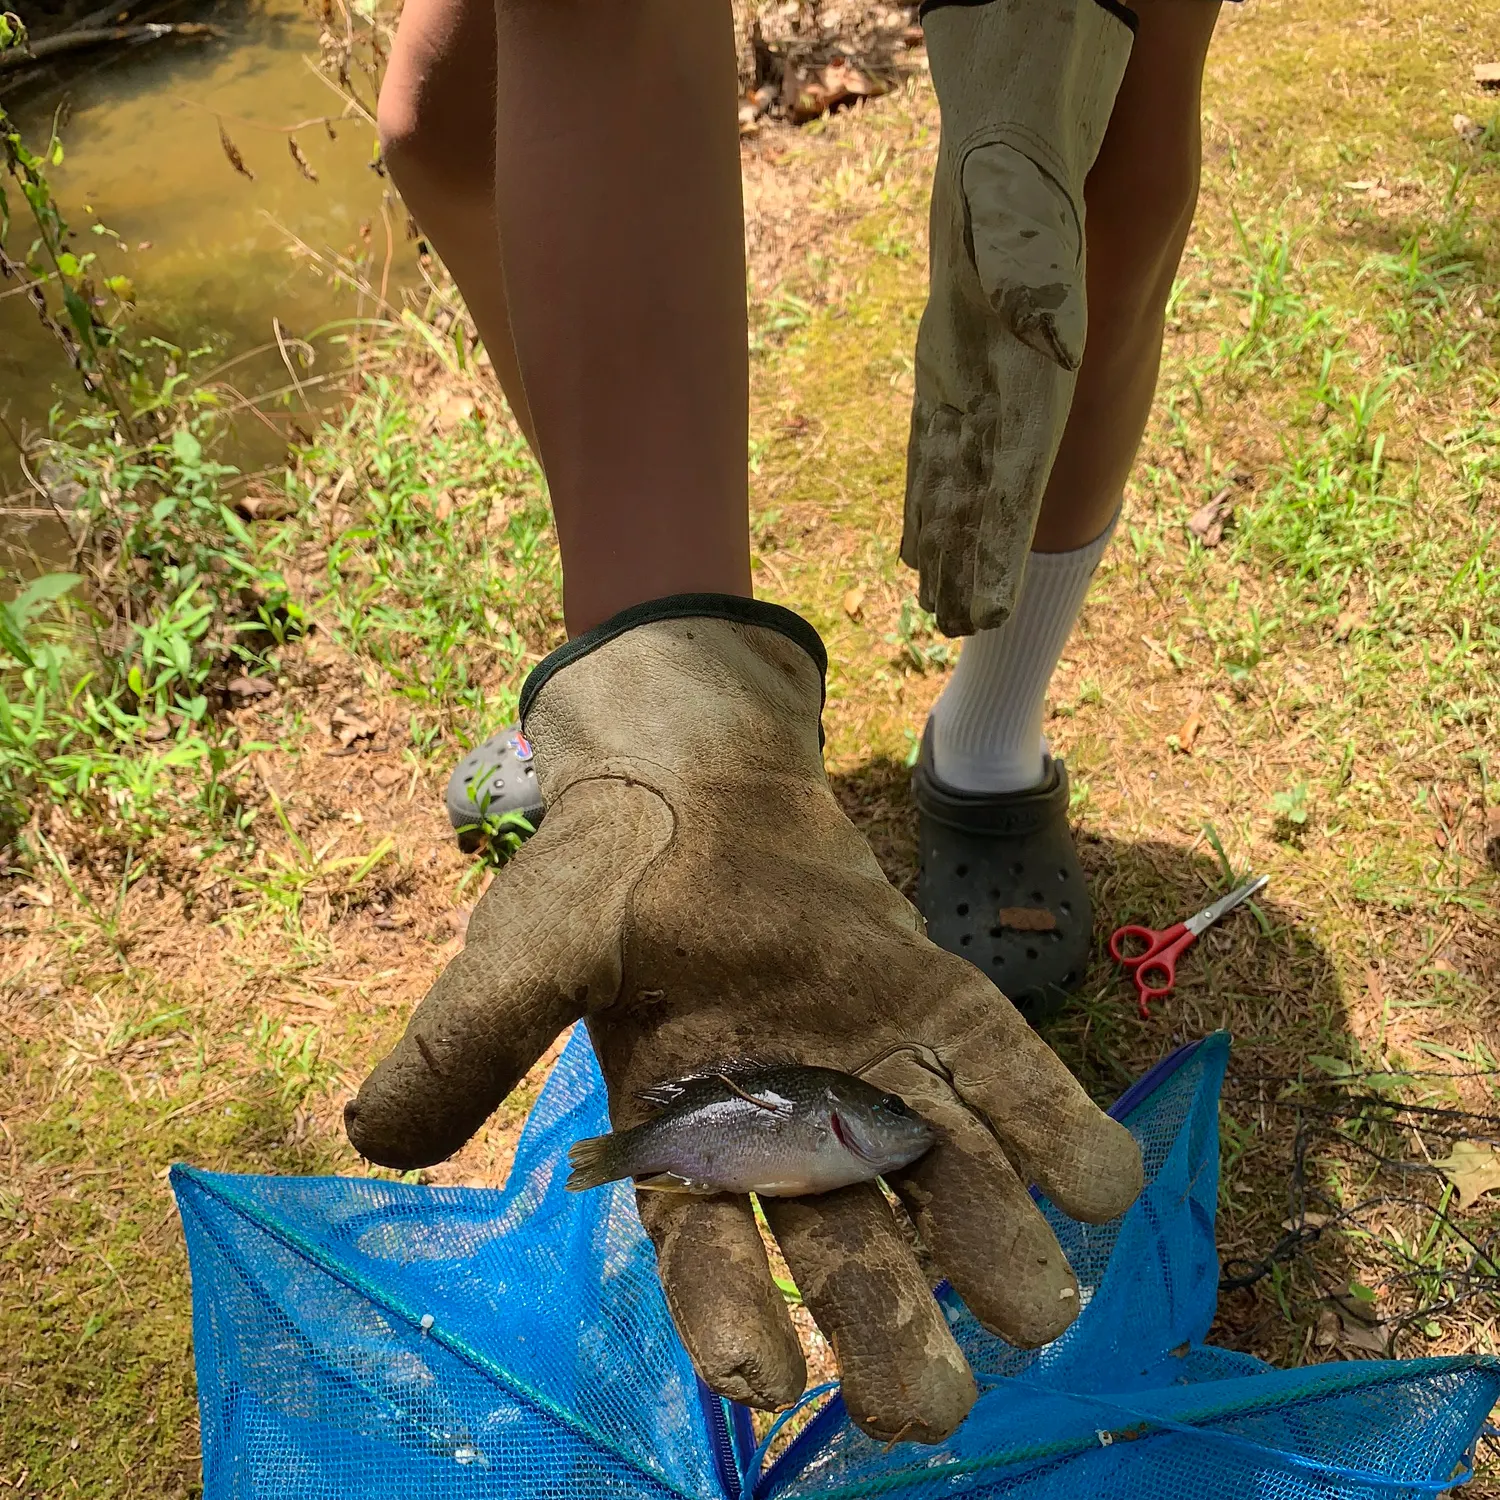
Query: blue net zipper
(726, 1459)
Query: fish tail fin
(596, 1161)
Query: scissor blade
(1211, 914)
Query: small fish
(774, 1129)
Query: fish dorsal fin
(732, 1071)
(735, 1067)
(671, 1090)
(662, 1094)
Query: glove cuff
(1114, 7)
(734, 607)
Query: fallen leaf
(1467, 129)
(387, 776)
(303, 165)
(1364, 1337)
(1309, 1221)
(1474, 1170)
(839, 82)
(1026, 919)
(233, 153)
(1207, 523)
(346, 726)
(251, 687)
(1187, 736)
(312, 1002)
(1487, 75)
(453, 409)
(267, 507)
(1326, 1336)
(1357, 1302)
(844, 81)
(854, 601)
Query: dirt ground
(1288, 665)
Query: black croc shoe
(494, 778)
(1000, 884)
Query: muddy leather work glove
(1025, 91)
(697, 895)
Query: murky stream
(210, 252)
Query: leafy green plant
(916, 635)
(285, 882)
(494, 838)
(172, 585)
(452, 591)
(65, 284)
(1291, 809)
(30, 600)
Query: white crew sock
(987, 726)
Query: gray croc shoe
(1000, 884)
(493, 779)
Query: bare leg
(985, 732)
(1141, 196)
(618, 189)
(437, 134)
(615, 316)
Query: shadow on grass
(1261, 975)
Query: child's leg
(995, 828)
(1141, 195)
(616, 197)
(618, 190)
(437, 135)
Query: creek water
(212, 254)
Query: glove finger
(1057, 1137)
(979, 1221)
(542, 946)
(729, 1312)
(903, 1375)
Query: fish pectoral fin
(671, 1182)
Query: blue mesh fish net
(361, 1339)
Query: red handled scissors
(1155, 968)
